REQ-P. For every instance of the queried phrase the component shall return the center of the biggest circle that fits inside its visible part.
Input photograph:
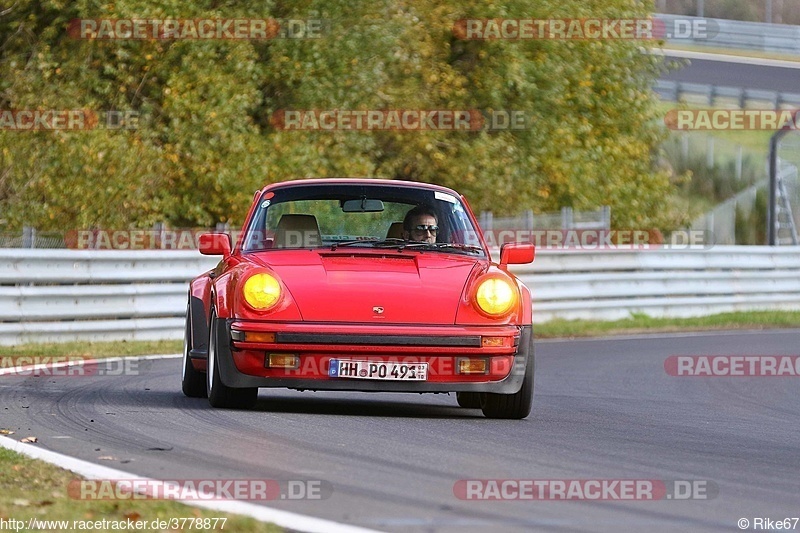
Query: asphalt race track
(726, 74)
(603, 409)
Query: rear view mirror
(362, 205)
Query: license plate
(345, 368)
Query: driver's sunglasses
(433, 228)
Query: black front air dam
(231, 376)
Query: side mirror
(215, 244)
(516, 253)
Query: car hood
(370, 287)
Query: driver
(421, 224)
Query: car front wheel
(469, 400)
(193, 382)
(511, 406)
(219, 394)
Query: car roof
(359, 181)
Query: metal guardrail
(612, 285)
(675, 91)
(60, 295)
(736, 34)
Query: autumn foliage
(205, 136)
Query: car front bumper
(242, 364)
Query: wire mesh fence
(159, 237)
(567, 218)
(734, 179)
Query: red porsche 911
(361, 285)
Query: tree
(208, 138)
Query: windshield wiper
(445, 245)
(385, 242)
(402, 244)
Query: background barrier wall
(734, 34)
(60, 295)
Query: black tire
(469, 400)
(219, 394)
(193, 382)
(511, 406)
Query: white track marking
(287, 519)
(78, 360)
(726, 58)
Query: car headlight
(495, 296)
(261, 291)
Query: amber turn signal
(493, 342)
(282, 360)
(472, 366)
(259, 336)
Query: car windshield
(333, 215)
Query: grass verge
(91, 349)
(641, 323)
(32, 489)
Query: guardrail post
(28, 237)
(485, 220)
(774, 143)
(710, 152)
(159, 230)
(685, 147)
(567, 219)
(773, 186)
(739, 163)
(529, 219)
